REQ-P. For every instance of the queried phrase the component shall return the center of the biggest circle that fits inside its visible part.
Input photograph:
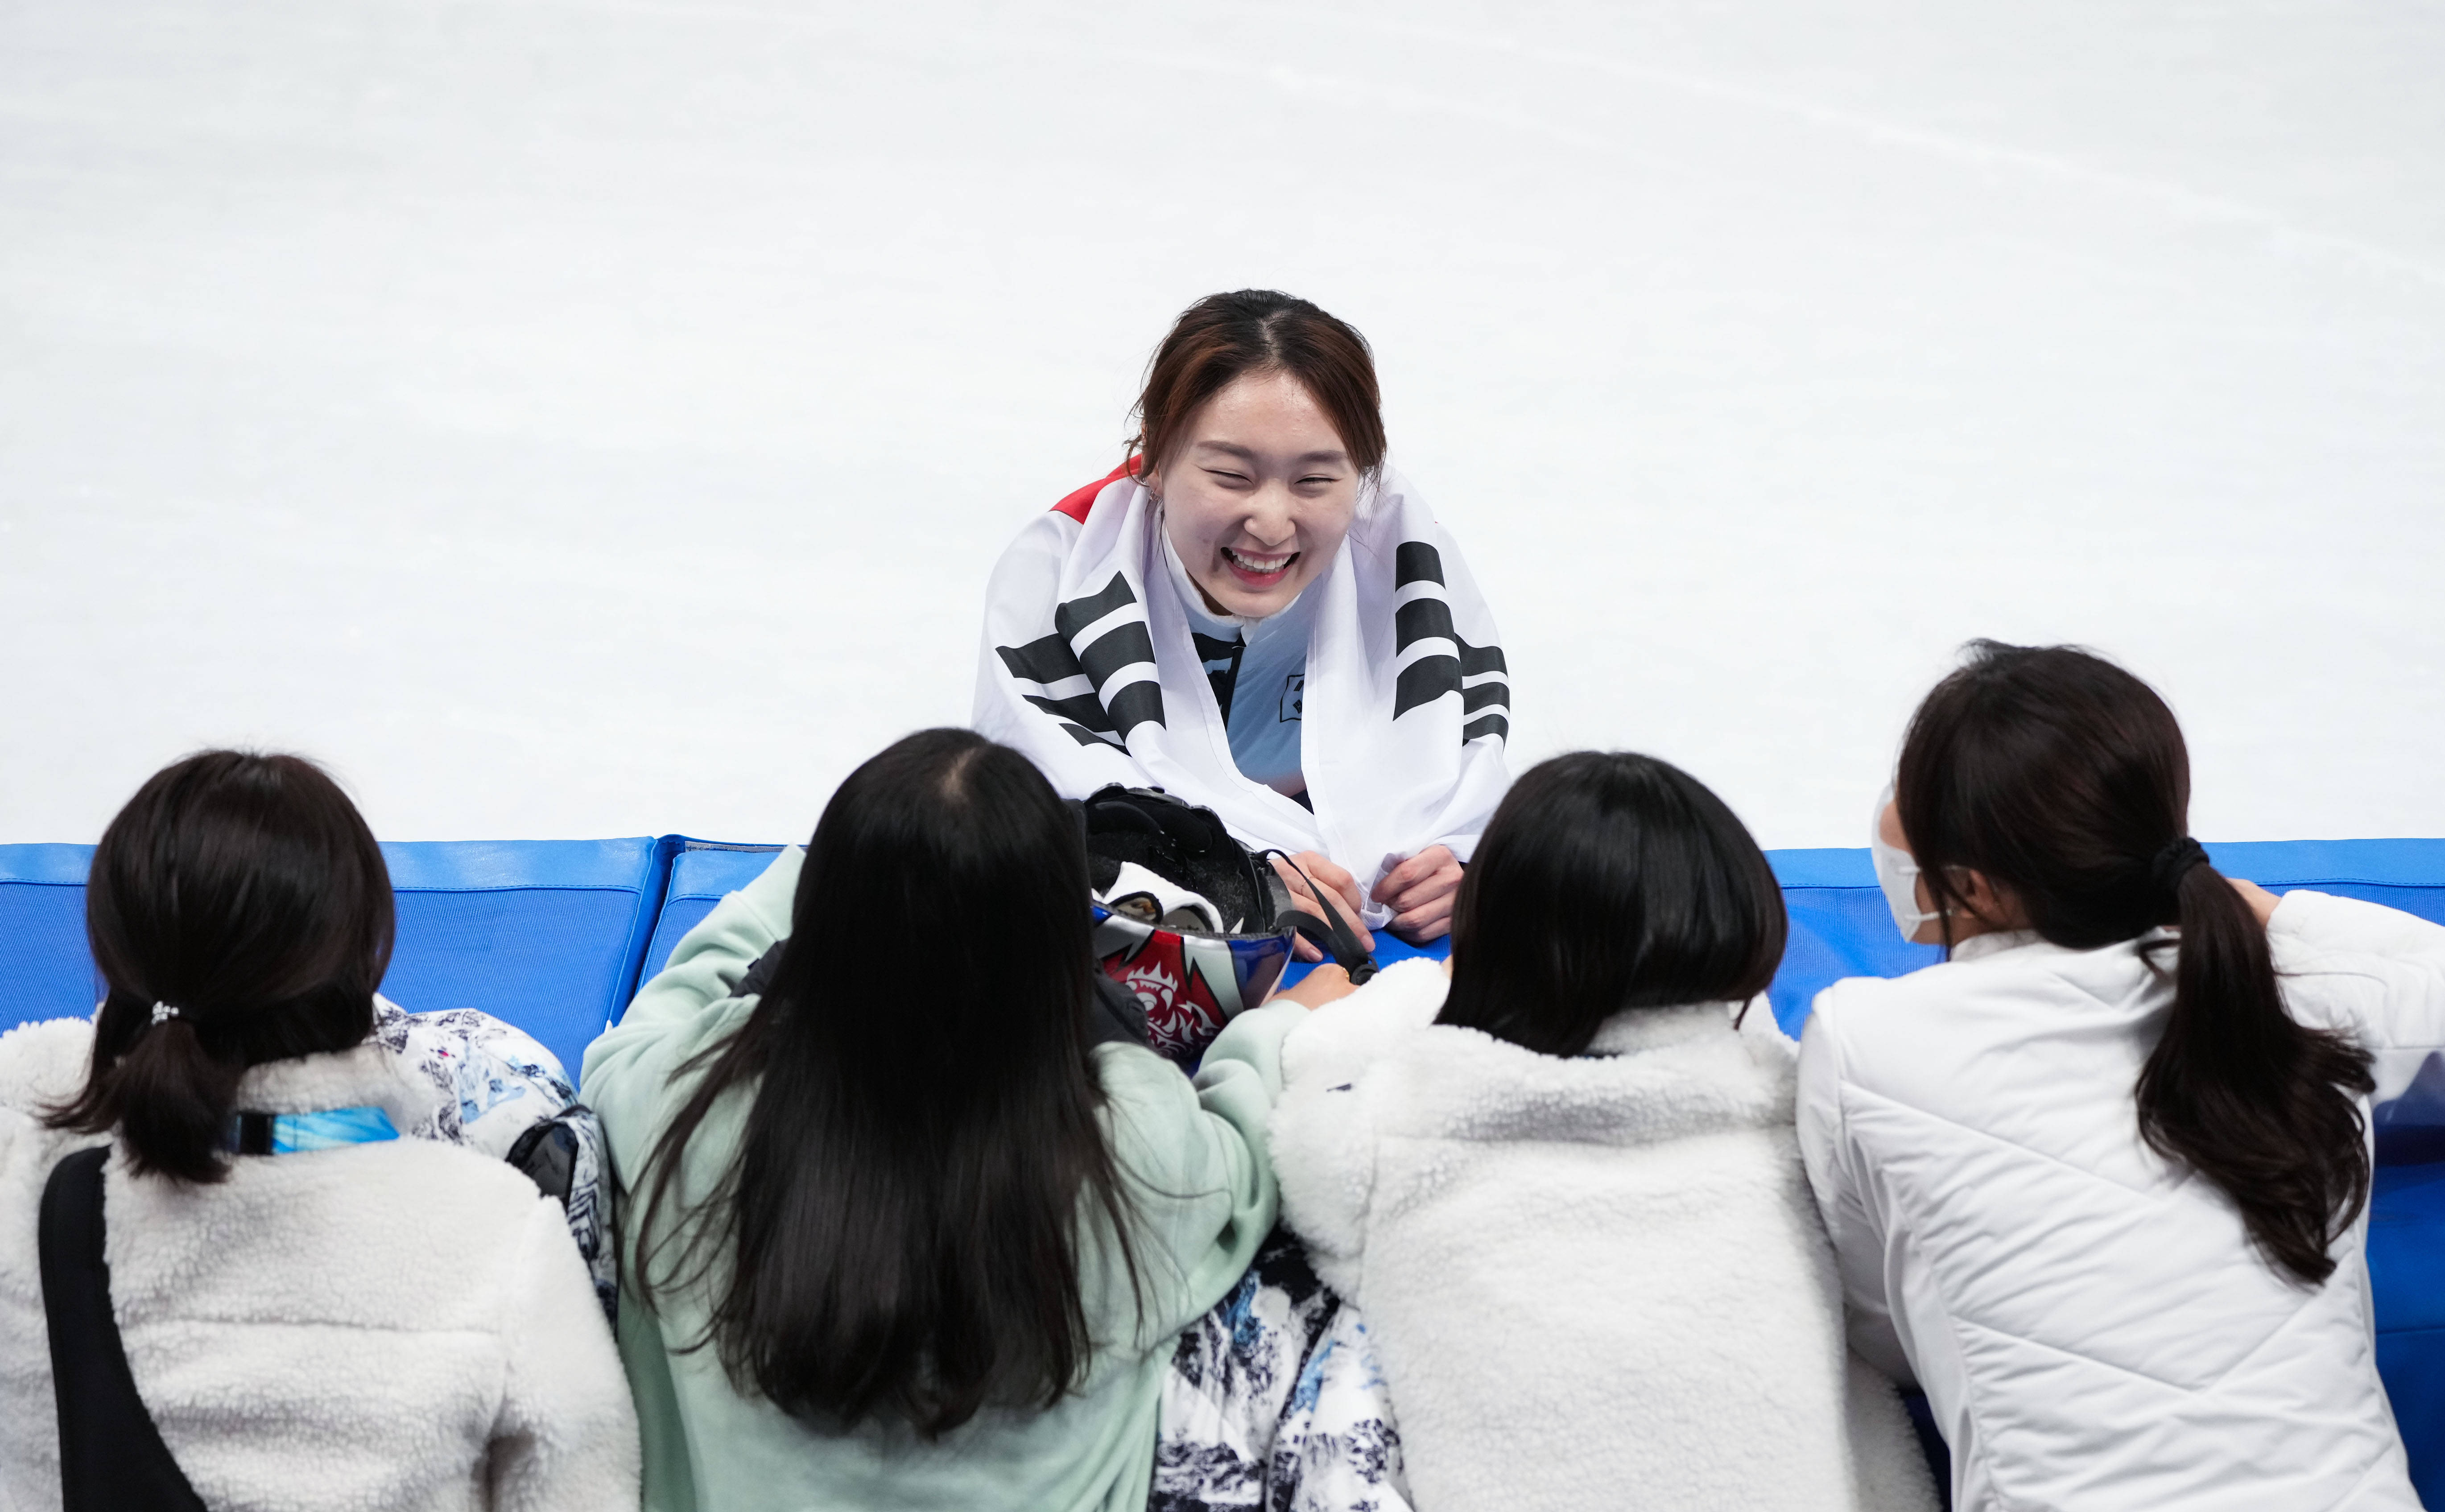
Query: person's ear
(1992, 902)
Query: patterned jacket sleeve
(501, 1093)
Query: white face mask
(1896, 872)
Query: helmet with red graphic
(1193, 923)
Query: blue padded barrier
(544, 933)
(1840, 928)
(702, 873)
(44, 969)
(2406, 1260)
(556, 935)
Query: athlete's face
(1260, 495)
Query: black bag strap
(546, 1152)
(1332, 933)
(759, 976)
(111, 1455)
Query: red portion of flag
(1077, 504)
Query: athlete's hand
(1346, 897)
(1420, 893)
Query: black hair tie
(2175, 862)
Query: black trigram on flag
(1104, 689)
(1477, 673)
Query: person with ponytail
(912, 1218)
(255, 1292)
(2099, 1181)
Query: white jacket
(395, 1326)
(1592, 1282)
(2091, 1323)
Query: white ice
(578, 418)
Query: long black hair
(2065, 779)
(246, 892)
(1606, 881)
(899, 1234)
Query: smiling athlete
(1256, 614)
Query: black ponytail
(2248, 1096)
(2065, 779)
(169, 1098)
(240, 911)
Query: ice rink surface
(577, 418)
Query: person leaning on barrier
(912, 1219)
(1562, 1184)
(2099, 1181)
(216, 1183)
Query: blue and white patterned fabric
(495, 1083)
(1274, 1402)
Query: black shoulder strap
(759, 976)
(548, 1153)
(111, 1456)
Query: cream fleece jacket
(398, 1327)
(1595, 1282)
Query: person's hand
(2262, 903)
(1346, 897)
(1326, 983)
(1420, 893)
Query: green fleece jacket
(1193, 1154)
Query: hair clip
(164, 1010)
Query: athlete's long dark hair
(246, 892)
(1608, 880)
(2065, 779)
(899, 1234)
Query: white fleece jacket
(1593, 1282)
(400, 1327)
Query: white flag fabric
(1088, 666)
